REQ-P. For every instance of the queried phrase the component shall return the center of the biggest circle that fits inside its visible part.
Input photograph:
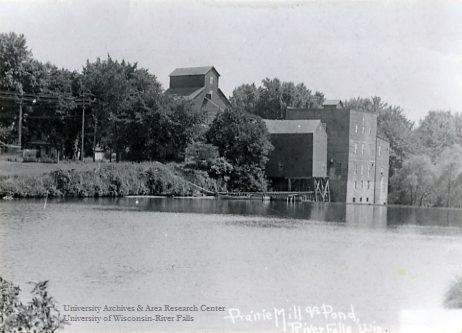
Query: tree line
(128, 116)
(126, 112)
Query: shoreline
(83, 180)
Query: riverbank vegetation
(111, 180)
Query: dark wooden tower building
(200, 86)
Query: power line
(21, 97)
(34, 98)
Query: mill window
(281, 166)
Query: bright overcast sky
(407, 52)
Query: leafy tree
(458, 124)
(436, 132)
(134, 119)
(413, 184)
(245, 98)
(124, 95)
(55, 117)
(373, 104)
(398, 130)
(242, 139)
(48, 117)
(179, 126)
(453, 297)
(14, 60)
(205, 157)
(39, 315)
(271, 104)
(449, 183)
(272, 98)
(200, 154)
(109, 82)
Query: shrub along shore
(110, 180)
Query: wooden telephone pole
(20, 121)
(84, 98)
(83, 128)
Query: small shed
(299, 155)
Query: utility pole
(83, 127)
(94, 139)
(20, 122)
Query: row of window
(363, 129)
(369, 169)
(362, 148)
(379, 150)
(361, 199)
(362, 183)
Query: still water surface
(393, 265)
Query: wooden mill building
(357, 158)
(200, 86)
(298, 161)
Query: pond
(271, 266)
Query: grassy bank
(103, 180)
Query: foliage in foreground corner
(39, 315)
(453, 297)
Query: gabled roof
(224, 98)
(188, 93)
(292, 126)
(381, 136)
(185, 71)
(333, 102)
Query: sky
(407, 52)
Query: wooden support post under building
(315, 190)
(321, 187)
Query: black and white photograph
(231, 166)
